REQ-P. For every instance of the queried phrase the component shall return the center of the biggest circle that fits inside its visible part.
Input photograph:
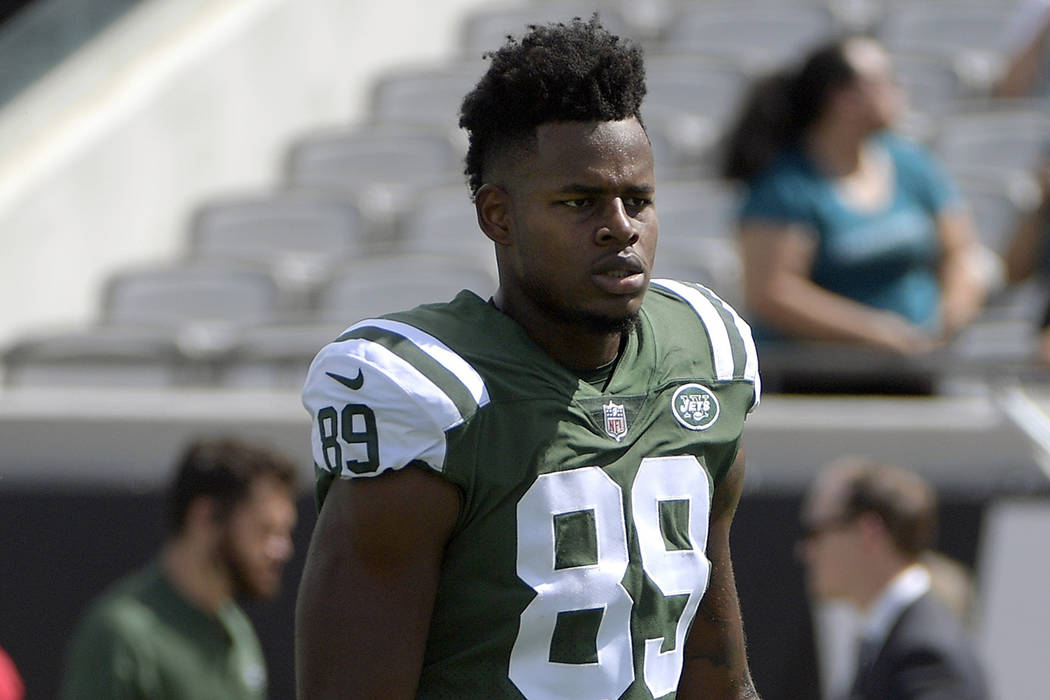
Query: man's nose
(616, 226)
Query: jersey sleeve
(384, 395)
(734, 356)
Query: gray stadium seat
(298, 235)
(110, 356)
(968, 32)
(682, 141)
(382, 284)
(356, 159)
(998, 141)
(443, 222)
(758, 35)
(429, 95)
(699, 208)
(381, 166)
(486, 29)
(932, 83)
(275, 356)
(203, 302)
(694, 82)
(945, 27)
(713, 262)
(996, 205)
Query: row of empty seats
(376, 216)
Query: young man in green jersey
(173, 630)
(530, 496)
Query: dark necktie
(866, 653)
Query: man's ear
(873, 527)
(202, 515)
(492, 204)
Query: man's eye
(577, 203)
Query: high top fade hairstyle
(575, 72)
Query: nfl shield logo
(615, 420)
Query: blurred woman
(849, 233)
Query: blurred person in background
(867, 529)
(174, 630)
(1027, 47)
(849, 233)
(1028, 254)
(11, 685)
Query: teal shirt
(886, 258)
(142, 640)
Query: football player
(530, 495)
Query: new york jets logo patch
(694, 406)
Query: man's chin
(606, 324)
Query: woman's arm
(777, 262)
(963, 287)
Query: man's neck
(566, 343)
(194, 573)
(903, 589)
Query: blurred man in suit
(866, 525)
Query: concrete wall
(180, 100)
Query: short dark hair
(902, 499)
(575, 72)
(223, 468)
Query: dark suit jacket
(927, 656)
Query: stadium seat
(486, 29)
(694, 82)
(931, 83)
(380, 165)
(996, 204)
(997, 141)
(429, 95)
(203, 301)
(757, 35)
(698, 208)
(713, 262)
(443, 222)
(98, 356)
(299, 235)
(171, 294)
(274, 356)
(945, 27)
(969, 33)
(382, 284)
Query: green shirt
(578, 560)
(143, 640)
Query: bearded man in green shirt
(173, 630)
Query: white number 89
(599, 586)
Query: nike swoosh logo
(354, 384)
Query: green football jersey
(578, 562)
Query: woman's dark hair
(780, 107)
(224, 469)
(573, 72)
